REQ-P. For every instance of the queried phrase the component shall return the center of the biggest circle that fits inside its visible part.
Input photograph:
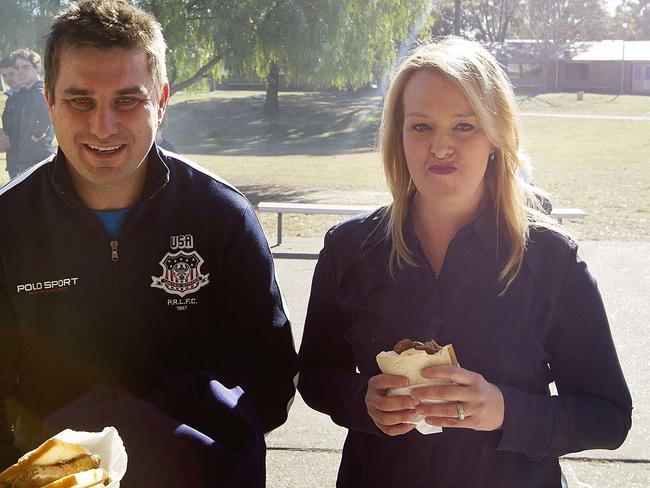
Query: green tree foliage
(192, 53)
(24, 23)
(631, 21)
(490, 20)
(482, 20)
(328, 43)
(443, 18)
(563, 21)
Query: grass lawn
(320, 149)
(592, 104)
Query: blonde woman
(464, 255)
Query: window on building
(524, 70)
(577, 71)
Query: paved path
(305, 451)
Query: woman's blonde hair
(490, 95)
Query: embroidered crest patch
(181, 273)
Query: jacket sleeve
(252, 345)
(329, 381)
(9, 355)
(593, 407)
(254, 348)
(40, 116)
(163, 451)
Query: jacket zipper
(114, 256)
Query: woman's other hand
(390, 413)
(482, 402)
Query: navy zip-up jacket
(549, 326)
(34, 121)
(175, 332)
(11, 127)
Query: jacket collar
(37, 85)
(15, 91)
(157, 176)
(484, 227)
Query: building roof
(521, 50)
(611, 51)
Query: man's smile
(104, 149)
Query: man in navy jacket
(33, 139)
(10, 114)
(136, 289)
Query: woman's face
(445, 147)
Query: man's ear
(162, 102)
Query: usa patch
(181, 273)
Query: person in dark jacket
(163, 141)
(35, 135)
(10, 115)
(137, 290)
(464, 255)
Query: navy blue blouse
(550, 326)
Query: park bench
(281, 208)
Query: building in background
(599, 67)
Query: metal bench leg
(279, 228)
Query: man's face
(10, 75)
(27, 73)
(105, 114)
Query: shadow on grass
(309, 123)
(261, 193)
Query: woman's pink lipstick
(440, 169)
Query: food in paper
(407, 358)
(55, 464)
(71, 459)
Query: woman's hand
(389, 413)
(482, 402)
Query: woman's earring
(493, 155)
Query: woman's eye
(420, 127)
(464, 127)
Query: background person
(10, 114)
(163, 141)
(136, 290)
(465, 255)
(35, 133)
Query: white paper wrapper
(420, 425)
(107, 444)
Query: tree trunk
(271, 106)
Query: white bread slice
(410, 362)
(84, 479)
(52, 451)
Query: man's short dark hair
(105, 24)
(6, 63)
(28, 55)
